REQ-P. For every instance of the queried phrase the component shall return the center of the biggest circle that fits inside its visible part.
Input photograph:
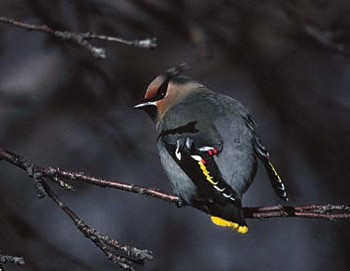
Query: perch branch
(82, 39)
(128, 255)
(329, 212)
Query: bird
(208, 146)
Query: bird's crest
(176, 71)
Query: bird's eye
(162, 90)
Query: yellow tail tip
(225, 223)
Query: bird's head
(165, 91)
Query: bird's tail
(275, 180)
(274, 177)
(225, 223)
(230, 216)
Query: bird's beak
(144, 104)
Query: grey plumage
(219, 123)
(208, 146)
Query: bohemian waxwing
(208, 146)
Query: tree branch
(103, 241)
(82, 38)
(10, 259)
(324, 37)
(127, 255)
(329, 212)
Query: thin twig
(103, 242)
(329, 212)
(123, 255)
(324, 37)
(82, 38)
(10, 259)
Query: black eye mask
(162, 90)
(169, 74)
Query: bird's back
(210, 119)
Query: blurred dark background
(286, 60)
